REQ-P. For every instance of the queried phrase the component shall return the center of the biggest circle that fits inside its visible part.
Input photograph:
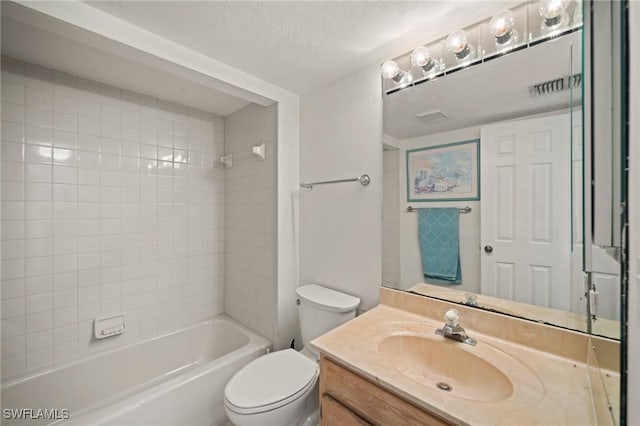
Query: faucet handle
(471, 299)
(451, 318)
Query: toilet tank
(321, 309)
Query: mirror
(499, 140)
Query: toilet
(281, 388)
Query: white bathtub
(174, 379)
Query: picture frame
(449, 172)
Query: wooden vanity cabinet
(334, 413)
(348, 399)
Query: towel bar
(363, 179)
(462, 210)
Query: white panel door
(526, 211)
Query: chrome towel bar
(363, 179)
(462, 210)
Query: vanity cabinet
(347, 398)
(334, 413)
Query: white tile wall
(250, 245)
(111, 202)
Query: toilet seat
(270, 382)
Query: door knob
(488, 249)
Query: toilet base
(313, 419)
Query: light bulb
(421, 57)
(501, 27)
(550, 9)
(577, 14)
(458, 44)
(554, 15)
(390, 70)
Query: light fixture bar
(490, 57)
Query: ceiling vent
(432, 115)
(557, 85)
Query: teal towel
(440, 245)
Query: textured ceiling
(300, 45)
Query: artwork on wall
(448, 172)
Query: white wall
(410, 261)
(250, 220)
(340, 225)
(288, 223)
(111, 202)
(391, 219)
(633, 344)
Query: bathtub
(173, 379)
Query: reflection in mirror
(498, 129)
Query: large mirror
(485, 156)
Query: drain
(444, 386)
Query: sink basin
(449, 367)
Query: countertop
(549, 389)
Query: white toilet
(281, 388)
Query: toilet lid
(327, 299)
(270, 381)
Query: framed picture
(448, 172)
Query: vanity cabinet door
(367, 400)
(336, 414)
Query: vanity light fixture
(391, 71)
(458, 44)
(554, 15)
(554, 22)
(421, 57)
(501, 27)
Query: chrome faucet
(452, 330)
